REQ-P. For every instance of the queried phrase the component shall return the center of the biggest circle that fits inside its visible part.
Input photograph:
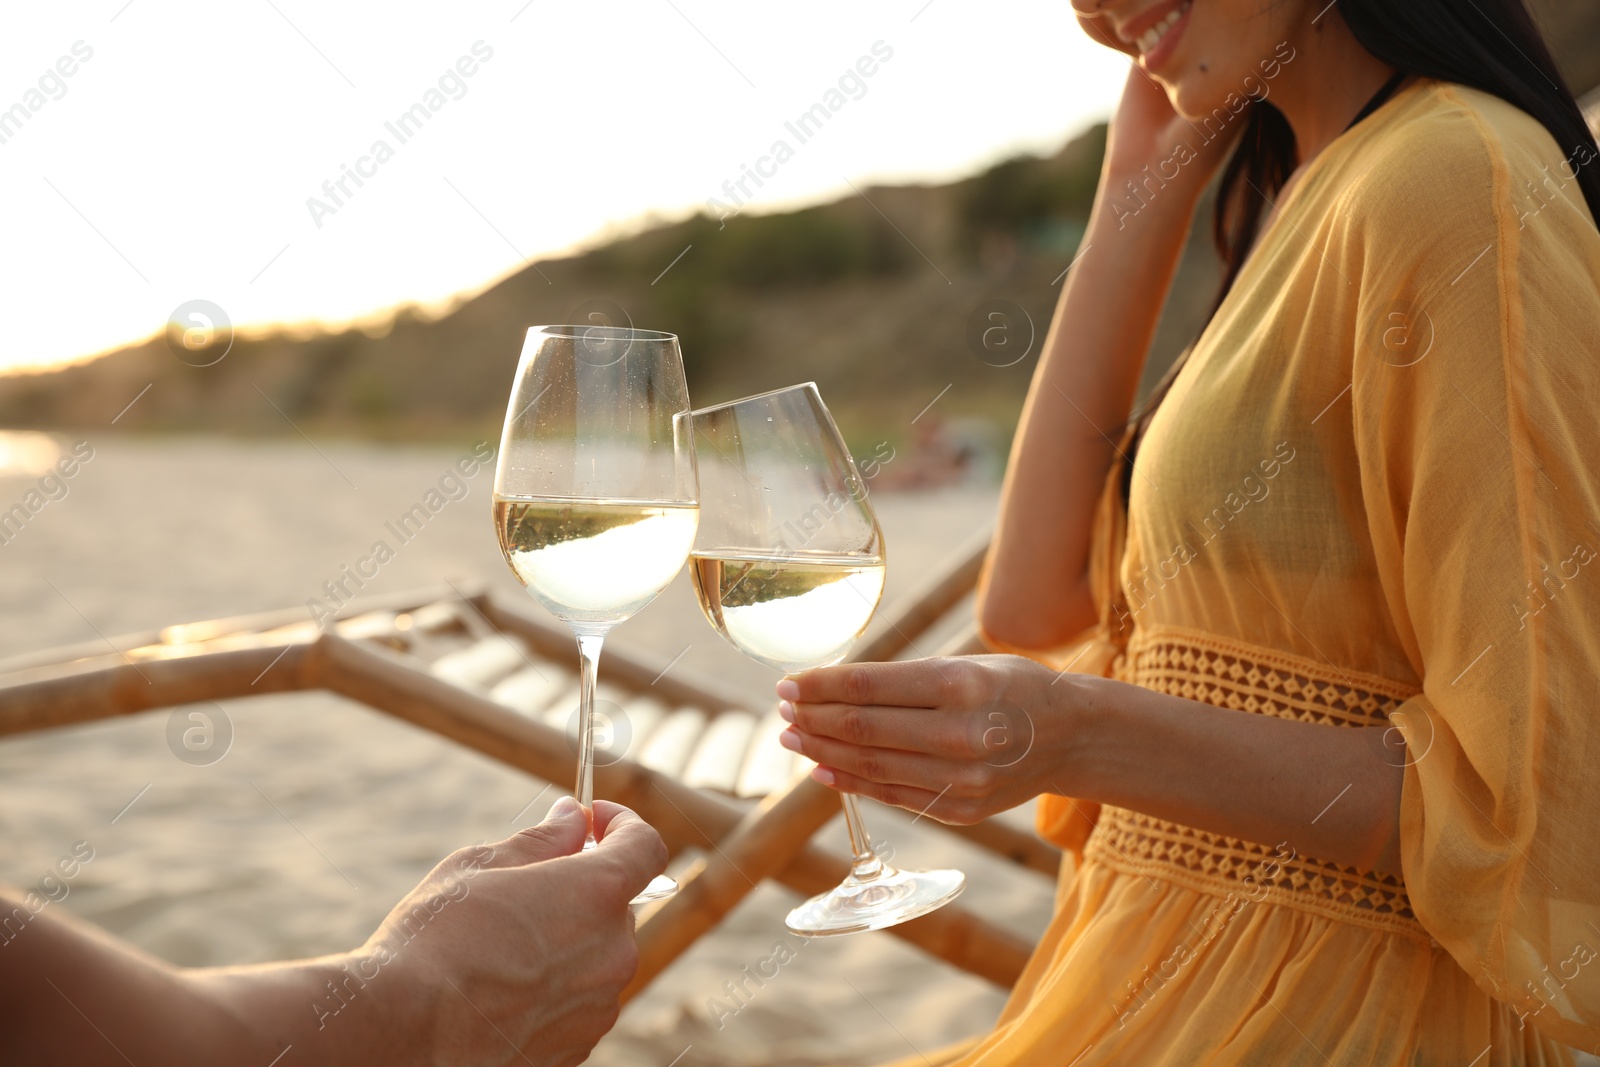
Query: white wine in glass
(788, 565)
(595, 496)
(791, 614)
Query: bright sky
(175, 161)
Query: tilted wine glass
(595, 498)
(789, 566)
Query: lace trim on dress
(1245, 678)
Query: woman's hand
(1148, 132)
(957, 739)
(961, 739)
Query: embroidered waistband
(1233, 675)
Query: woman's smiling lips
(1155, 32)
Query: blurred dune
(871, 296)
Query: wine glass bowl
(595, 492)
(790, 613)
(594, 563)
(789, 565)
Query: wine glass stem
(867, 864)
(589, 661)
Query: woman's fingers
(885, 766)
(921, 683)
(911, 798)
(939, 733)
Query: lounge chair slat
(643, 716)
(189, 632)
(719, 757)
(533, 689)
(768, 766)
(480, 665)
(441, 615)
(369, 625)
(558, 713)
(672, 743)
(561, 713)
(634, 668)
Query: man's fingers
(560, 834)
(604, 812)
(627, 843)
(938, 733)
(631, 846)
(916, 683)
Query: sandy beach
(323, 813)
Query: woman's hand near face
(1147, 131)
(957, 739)
(1090, 366)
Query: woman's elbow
(1037, 624)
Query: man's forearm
(71, 994)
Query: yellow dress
(1371, 496)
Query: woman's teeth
(1152, 37)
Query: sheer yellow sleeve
(1476, 393)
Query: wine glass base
(887, 899)
(660, 888)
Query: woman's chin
(1185, 99)
(1183, 103)
(1190, 99)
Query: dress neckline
(1389, 92)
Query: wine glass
(789, 566)
(595, 497)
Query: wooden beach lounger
(498, 680)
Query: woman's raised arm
(1036, 595)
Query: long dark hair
(1491, 45)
